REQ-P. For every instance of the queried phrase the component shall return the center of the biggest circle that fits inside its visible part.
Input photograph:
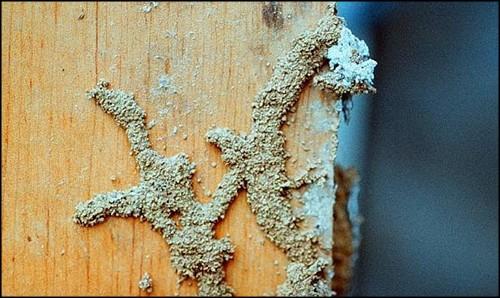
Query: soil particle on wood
(149, 6)
(146, 283)
(81, 16)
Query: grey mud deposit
(256, 163)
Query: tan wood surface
(58, 148)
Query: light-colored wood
(59, 149)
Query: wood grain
(59, 148)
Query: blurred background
(426, 148)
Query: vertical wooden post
(190, 65)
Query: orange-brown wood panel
(58, 148)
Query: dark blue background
(426, 146)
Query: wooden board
(59, 149)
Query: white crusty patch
(350, 60)
(351, 69)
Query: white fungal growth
(351, 69)
(350, 59)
